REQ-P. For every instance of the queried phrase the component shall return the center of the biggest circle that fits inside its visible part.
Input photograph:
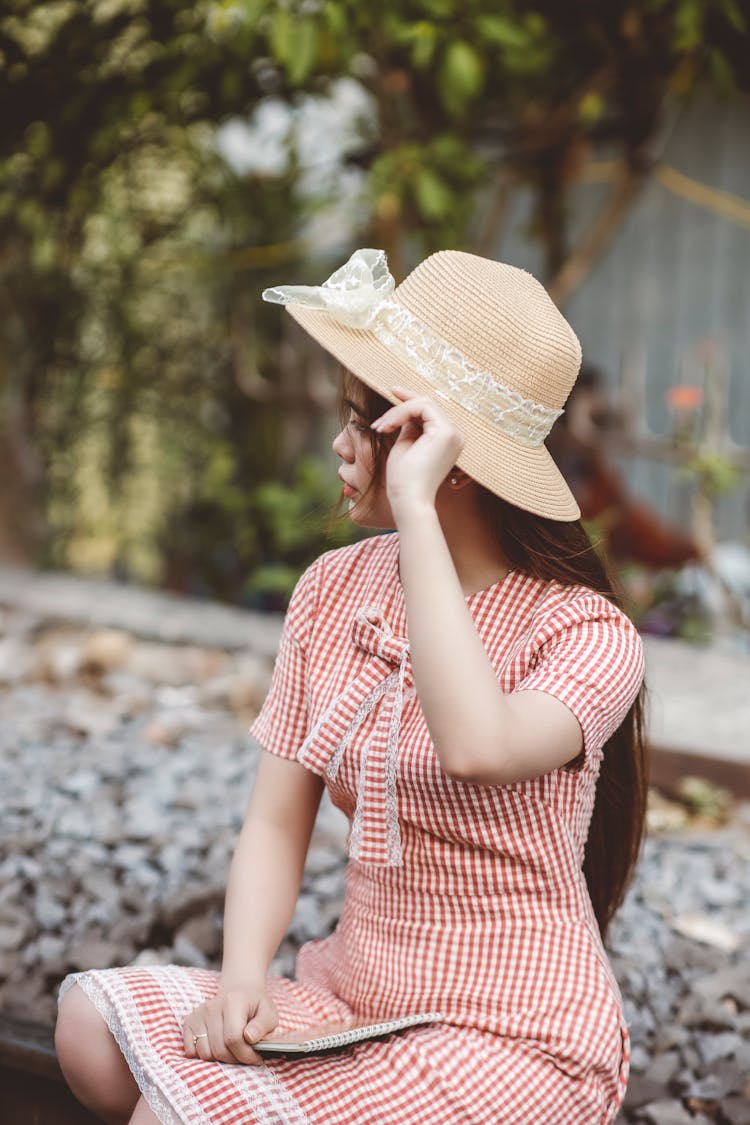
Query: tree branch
(600, 233)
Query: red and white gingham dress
(460, 898)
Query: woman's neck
(476, 554)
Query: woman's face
(366, 496)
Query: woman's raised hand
(423, 454)
(225, 1027)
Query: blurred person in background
(632, 530)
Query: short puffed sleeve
(589, 656)
(282, 724)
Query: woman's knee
(79, 1025)
(90, 1059)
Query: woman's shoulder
(373, 553)
(559, 606)
(349, 574)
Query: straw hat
(481, 337)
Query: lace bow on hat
(352, 294)
(385, 682)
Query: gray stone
(49, 910)
(715, 1047)
(668, 1111)
(53, 956)
(639, 1057)
(736, 1111)
(709, 1088)
(91, 715)
(733, 982)
(671, 1035)
(133, 929)
(162, 956)
(103, 912)
(203, 933)
(682, 954)
(15, 927)
(654, 1080)
(75, 823)
(742, 1056)
(731, 1074)
(185, 952)
(15, 660)
(189, 903)
(93, 953)
(697, 1012)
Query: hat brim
(523, 475)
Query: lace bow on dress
(384, 683)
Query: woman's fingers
(187, 1040)
(195, 1035)
(235, 1021)
(224, 1029)
(265, 1020)
(215, 1046)
(421, 412)
(396, 415)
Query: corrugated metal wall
(669, 302)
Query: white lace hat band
(483, 337)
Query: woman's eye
(358, 426)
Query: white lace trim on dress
(167, 1095)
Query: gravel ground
(125, 769)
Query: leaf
(424, 43)
(502, 31)
(688, 26)
(294, 43)
(591, 107)
(336, 17)
(434, 199)
(439, 9)
(253, 10)
(280, 34)
(461, 76)
(721, 71)
(733, 14)
(303, 49)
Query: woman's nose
(342, 447)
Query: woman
(460, 688)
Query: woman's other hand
(225, 1027)
(423, 454)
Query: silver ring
(203, 1035)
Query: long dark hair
(558, 551)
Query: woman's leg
(92, 1063)
(143, 1115)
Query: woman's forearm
(264, 881)
(456, 683)
(266, 870)
(479, 733)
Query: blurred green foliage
(153, 414)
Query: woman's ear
(457, 479)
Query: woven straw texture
(502, 320)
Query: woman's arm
(267, 866)
(264, 881)
(480, 734)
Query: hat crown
(500, 317)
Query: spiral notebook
(329, 1036)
